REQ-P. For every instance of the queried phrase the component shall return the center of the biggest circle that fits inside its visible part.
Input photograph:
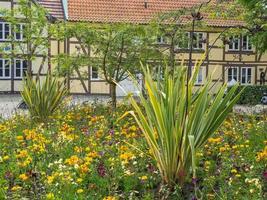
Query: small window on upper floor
(161, 40)
(246, 43)
(19, 31)
(198, 40)
(5, 31)
(234, 43)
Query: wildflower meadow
(85, 152)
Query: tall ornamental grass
(43, 98)
(177, 120)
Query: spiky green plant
(177, 120)
(43, 98)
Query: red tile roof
(132, 11)
(54, 7)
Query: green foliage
(252, 94)
(176, 122)
(43, 99)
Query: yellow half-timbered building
(237, 60)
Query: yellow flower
(143, 178)
(234, 171)
(109, 198)
(23, 177)
(79, 191)
(22, 154)
(262, 155)
(73, 160)
(20, 138)
(16, 188)
(50, 196)
(126, 156)
(5, 158)
(238, 175)
(79, 180)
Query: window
(232, 74)
(161, 40)
(5, 71)
(94, 73)
(246, 43)
(184, 41)
(199, 79)
(246, 75)
(20, 68)
(198, 41)
(18, 33)
(4, 31)
(234, 43)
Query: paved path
(9, 103)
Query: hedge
(252, 94)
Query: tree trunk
(113, 94)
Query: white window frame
(237, 75)
(5, 38)
(233, 41)
(199, 37)
(187, 35)
(4, 68)
(199, 40)
(161, 40)
(248, 45)
(91, 74)
(21, 68)
(21, 30)
(200, 74)
(246, 76)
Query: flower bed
(84, 153)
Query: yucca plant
(177, 119)
(43, 98)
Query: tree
(256, 19)
(115, 49)
(30, 30)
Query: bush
(43, 99)
(251, 95)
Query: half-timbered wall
(217, 63)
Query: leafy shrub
(43, 99)
(252, 94)
(177, 122)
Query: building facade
(235, 61)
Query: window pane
(7, 31)
(18, 68)
(94, 73)
(18, 32)
(7, 68)
(1, 31)
(1, 68)
(24, 67)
